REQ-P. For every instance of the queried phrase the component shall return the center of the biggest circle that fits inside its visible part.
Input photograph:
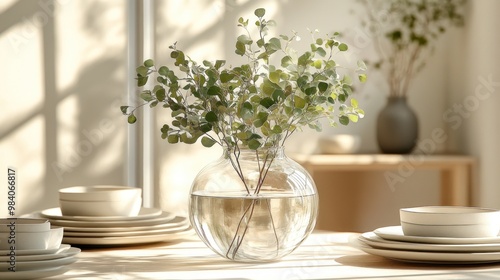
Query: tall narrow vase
(253, 206)
(397, 127)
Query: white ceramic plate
(161, 219)
(32, 265)
(127, 233)
(376, 241)
(176, 222)
(63, 247)
(430, 257)
(34, 274)
(396, 233)
(55, 214)
(130, 240)
(67, 252)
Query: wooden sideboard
(457, 172)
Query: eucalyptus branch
(408, 28)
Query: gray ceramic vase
(397, 127)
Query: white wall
(62, 74)
(476, 126)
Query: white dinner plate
(37, 251)
(55, 213)
(161, 219)
(34, 274)
(67, 252)
(430, 257)
(176, 222)
(32, 265)
(376, 241)
(127, 233)
(130, 240)
(396, 233)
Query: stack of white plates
(150, 225)
(390, 242)
(34, 264)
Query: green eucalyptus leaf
(214, 90)
(322, 86)
(244, 39)
(131, 119)
(317, 64)
(260, 12)
(299, 102)
(205, 127)
(344, 120)
(124, 109)
(320, 51)
(343, 47)
(274, 77)
(254, 144)
(311, 91)
(146, 96)
(173, 138)
(267, 102)
(207, 141)
(275, 43)
(354, 103)
(211, 117)
(277, 129)
(226, 77)
(149, 63)
(362, 77)
(240, 48)
(160, 94)
(153, 104)
(142, 71)
(219, 63)
(165, 128)
(353, 118)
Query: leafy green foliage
(254, 105)
(405, 32)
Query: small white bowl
(125, 208)
(449, 215)
(24, 225)
(450, 221)
(451, 231)
(100, 201)
(99, 193)
(56, 237)
(339, 144)
(24, 234)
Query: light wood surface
(324, 255)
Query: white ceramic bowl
(453, 231)
(24, 225)
(339, 144)
(56, 237)
(100, 201)
(128, 208)
(24, 234)
(99, 193)
(449, 215)
(450, 221)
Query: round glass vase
(253, 206)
